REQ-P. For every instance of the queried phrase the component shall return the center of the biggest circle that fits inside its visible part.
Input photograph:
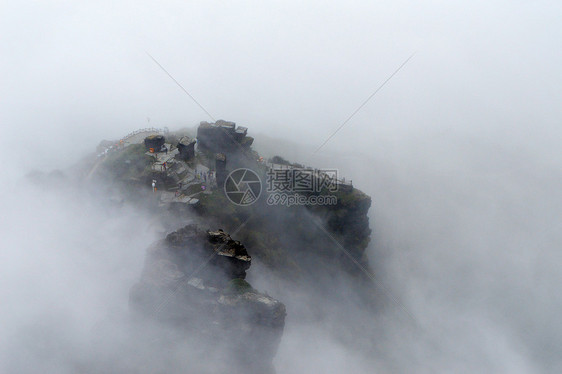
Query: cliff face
(292, 241)
(194, 280)
(348, 220)
(223, 136)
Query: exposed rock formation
(220, 167)
(186, 147)
(222, 136)
(194, 279)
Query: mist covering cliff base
(193, 282)
(305, 257)
(315, 253)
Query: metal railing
(147, 129)
(120, 143)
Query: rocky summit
(193, 279)
(292, 219)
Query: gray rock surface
(193, 280)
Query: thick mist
(68, 260)
(467, 244)
(459, 152)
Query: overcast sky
(293, 69)
(460, 150)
